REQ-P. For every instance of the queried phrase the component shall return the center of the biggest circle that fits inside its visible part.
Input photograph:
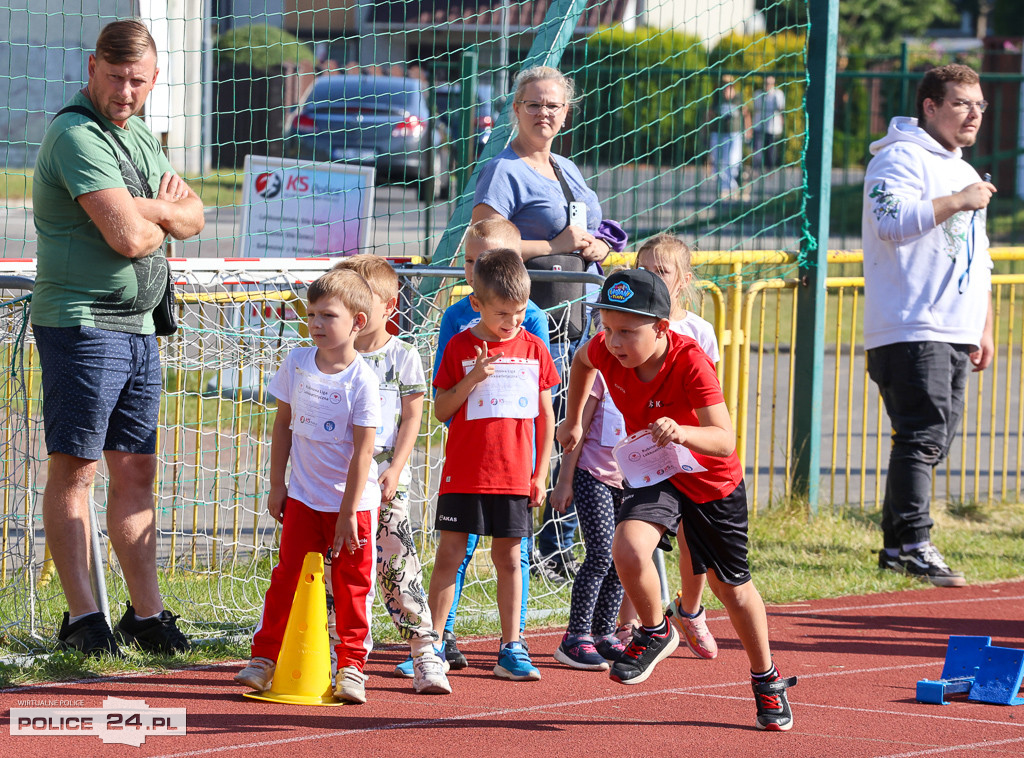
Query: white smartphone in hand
(578, 214)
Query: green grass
(222, 187)
(793, 558)
(16, 184)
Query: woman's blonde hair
(544, 74)
(666, 248)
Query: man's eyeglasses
(965, 106)
(534, 108)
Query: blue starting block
(988, 674)
(963, 657)
(999, 676)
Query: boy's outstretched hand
(568, 435)
(346, 534)
(665, 430)
(483, 368)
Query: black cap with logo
(635, 290)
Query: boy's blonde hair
(671, 249)
(376, 271)
(344, 285)
(497, 233)
(502, 275)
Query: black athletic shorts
(715, 532)
(493, 515)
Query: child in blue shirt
(492, 234)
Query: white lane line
(950, 748)
(875, 606)
(701, 690)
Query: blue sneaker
(514, 663)
(406, 670)
(578, 651)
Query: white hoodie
(913, 269)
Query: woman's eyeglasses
(534, 108)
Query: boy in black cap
(664, 385)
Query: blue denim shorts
(101, 390)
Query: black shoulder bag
(557, 297)
(165, 317)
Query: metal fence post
(467, 110)
(810, 336)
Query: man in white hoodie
(928, 306)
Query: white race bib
(389, 406)
(643, 463)
(613, 426)
(512, 391)
(315, 404)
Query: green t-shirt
(80, 279)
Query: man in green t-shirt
(101, 271)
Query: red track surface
(858, 660)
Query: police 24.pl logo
(119, 721)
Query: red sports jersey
(490, 455)
(686, 381)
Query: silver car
(373, 120)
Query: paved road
(644, 198)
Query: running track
(858, 660)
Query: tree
(871, 27)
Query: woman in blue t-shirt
(522, 184)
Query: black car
(373, 120)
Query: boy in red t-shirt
(664, 384)
(494, 385)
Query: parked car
(373, 120)
(449, 101)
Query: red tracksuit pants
(352, 576)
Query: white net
(216, 542)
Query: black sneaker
(642, 654)
(90, 635)
(155, 635)
(773, 714)
(927, 563)
(889, 562)
(568, 567)
(609, 647)
(452, 654)
(547, 569)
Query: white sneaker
(350, 685)
(259, 674)
(428, 675)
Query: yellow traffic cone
(303, 675)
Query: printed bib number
(512, 391)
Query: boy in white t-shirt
(398, 366)
(328, 411)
